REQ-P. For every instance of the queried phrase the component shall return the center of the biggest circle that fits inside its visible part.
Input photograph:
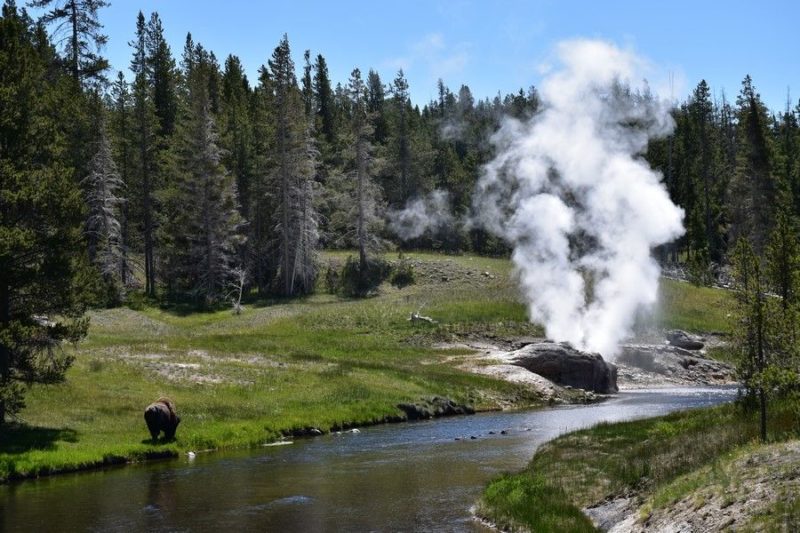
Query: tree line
(184, 179)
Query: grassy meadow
(659, 460)
(281, 366)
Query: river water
(421, 476)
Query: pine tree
(261, 199)
(237, 128)
(702, 113)
(144, 182)
(294, 170)
(789, 147)
(323, 96)
(783, 258)
(305, 220)
(121, 124)
(78, 29)
(161, 76)
(103, 186)
(365, 195)
(401, 141)
(376, 105)
(308, 87)
(203, 257)
(766, 326)
(754, 190)
(41, 247)
(752, 336)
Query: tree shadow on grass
(21, 438)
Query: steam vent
(564, 365)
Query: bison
(160, 416)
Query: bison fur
(160, 416)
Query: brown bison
(160, 416)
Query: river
(421, 476)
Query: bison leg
(169, 431)
(152, 417)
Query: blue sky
(489, 45)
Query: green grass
(691, 308)
(643, 457)
(284, 365)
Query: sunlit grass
(699, 309)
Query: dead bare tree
(101, 189)
(416, 317)
(239, 277)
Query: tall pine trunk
(147, 207)
(362, 235)
(5, 352)
(73, 18)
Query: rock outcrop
(566, 366)
(681, 339)
(433, 408)
(648, 364)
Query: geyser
(570, 191)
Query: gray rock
(681, 339)
(567, 366)
(675, 364)
(434, 408)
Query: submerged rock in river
(567, 366)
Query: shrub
(331, 278)
(358, 283)
(403, 274)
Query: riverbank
(420, 476)
(698, 470)
(285, 367)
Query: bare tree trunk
(286, 221)
(123, 246)
(149, 274)
(762, 399)
(5, 351)
(361, 171)
(75, 66)
(762, 363)
(149, 263)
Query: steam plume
(427, 214)
(582, 209)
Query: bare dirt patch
(201, 367)
(730, 496)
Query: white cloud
(433, 54)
